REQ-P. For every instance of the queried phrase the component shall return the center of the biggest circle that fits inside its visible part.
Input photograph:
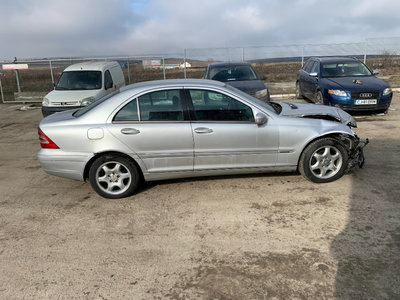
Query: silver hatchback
(186, 128)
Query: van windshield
(79, 80)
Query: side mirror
(314, 74)
(52, 85)
(375, 72)
(263, 77)
(260, 119)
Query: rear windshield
(340, 69)
(232, 73)
(79, 80)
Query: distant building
(182, 65)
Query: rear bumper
(68, 165)
(48, 110)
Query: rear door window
(158, 106)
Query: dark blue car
(343, 82)
(240, 75)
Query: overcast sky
(59, 28)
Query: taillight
(45, 141)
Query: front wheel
(324, 160)
(114, 176)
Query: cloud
(43, 28)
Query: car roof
(91, 66)
(172, 83)
(333, 59)
(228, 64)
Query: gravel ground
(239, 237)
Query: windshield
(339, 69)
(232, 73)
(79, 80)
(260, 103)
(92, 105)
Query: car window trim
(192, 110)
(136, 98)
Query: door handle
(130, 131)
(203, 130)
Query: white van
(83, 83)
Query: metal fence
(32, 84)
(371, 47)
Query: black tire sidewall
(298, 91)
(127, 163)
(308, 152)
(318, 94)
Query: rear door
(155, 128)
(311, 82)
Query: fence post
(18, 82)
(163, 67)
(365, 53)
(17, 77)
(1, 89)
(129, 71)
(184, 63)
(243, 54)
(52, 74)
(302, 56)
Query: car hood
(247, 85)
(70, 95)
(315, 111)
(358, 83)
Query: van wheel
(114, 176)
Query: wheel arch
(345, 139)
(97, 155)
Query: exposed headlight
(387, 91)
(45, 102)
(261, 93)
(340, 93)
(87, 101)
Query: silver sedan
(186, 128)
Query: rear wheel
(299, 95)
(114, 176)
(318, 98)
(324, 160)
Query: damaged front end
(355, 151)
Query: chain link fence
(279, 63)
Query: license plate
(365, 101)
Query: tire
(299, 95)
(324, 160)
(114, 176)
(318, 98)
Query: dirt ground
(273, 236)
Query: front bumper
(348, 103)
(48, 110)
(356, 155)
